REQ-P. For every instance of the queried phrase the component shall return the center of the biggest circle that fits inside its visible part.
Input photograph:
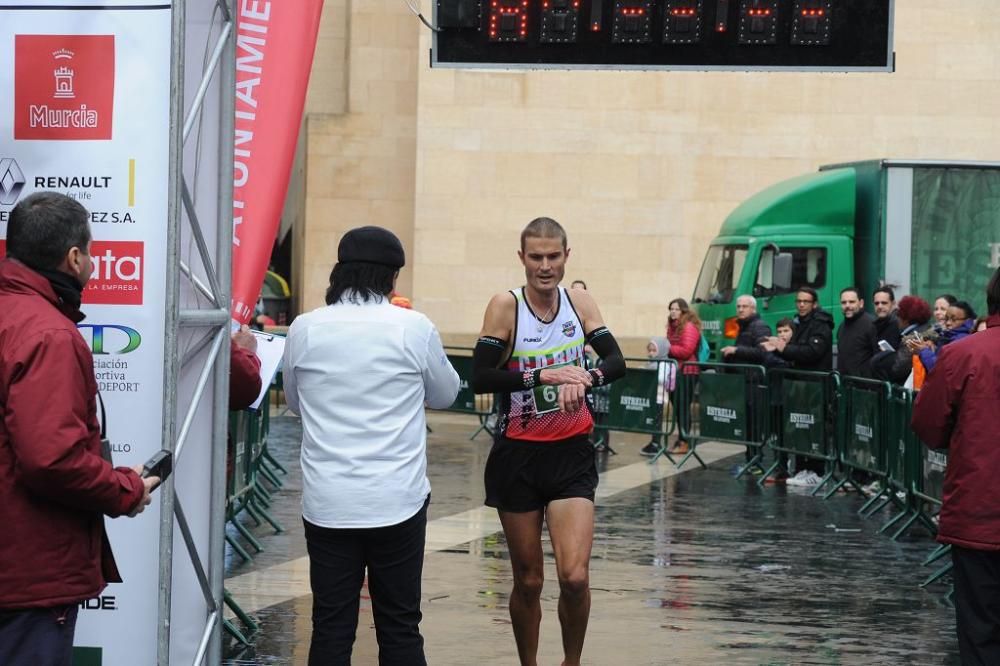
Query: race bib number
(546, 396)
(546, 399)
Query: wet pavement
(689, 567)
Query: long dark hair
(688, 316)
(361, 280)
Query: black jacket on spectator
(886, 329)
(753, 331)
(902, 359)
(856, 345)
(811, 346)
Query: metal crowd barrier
(863, 434)
(902, 458)
(806, 419)
(482, 406)
(249, 467)
(932, 465)
(639, 402)
(731, 407)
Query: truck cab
(927, 227)
(800, 232)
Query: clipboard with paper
(270, 349)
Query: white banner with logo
(86, 90)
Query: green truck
(924, 227)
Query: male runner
(542, 465)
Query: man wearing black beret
(359, 372)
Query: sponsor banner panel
(274, 53)
(89, 117)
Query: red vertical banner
(274, 53)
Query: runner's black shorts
(525, 476)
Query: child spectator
(785, 330)
(658, 351)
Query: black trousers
(394, 557)
(977, 605)
(38, 636)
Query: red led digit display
(508, 20)
(682, 22)
(633, 22)
(758, 22)
(560, 21)
(735, 35)
(811, 22)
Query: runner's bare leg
(571, 528)
(523, 532)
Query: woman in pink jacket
(684, 334)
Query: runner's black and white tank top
(533, 414)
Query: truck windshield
(720, 274)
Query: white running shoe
(812, 479)
(873, 488)
(798, 479)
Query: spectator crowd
(897, 341)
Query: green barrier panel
(722, 412)
(483, 406)
(466, 399)
(806, 414)
(724, 402)
(905, 462)
(864, 432)
(900, 437)
(636, 403)
(926, 471)
(804, 421)
(238, 427)
(935, 461)
(632, 403)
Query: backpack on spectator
(704, 351)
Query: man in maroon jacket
(959, 409)
(55, 486)
(244, 369)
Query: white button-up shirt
(359, 375)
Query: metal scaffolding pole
(191, 366)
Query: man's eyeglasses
(804, 300)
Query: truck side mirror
(781, 271)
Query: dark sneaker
(650, 449)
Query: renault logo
(11, 181)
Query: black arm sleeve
(486, 376)
(612, 364)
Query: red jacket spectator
(244, 376)
(957, 410)
(684, 340)
(54, 484)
